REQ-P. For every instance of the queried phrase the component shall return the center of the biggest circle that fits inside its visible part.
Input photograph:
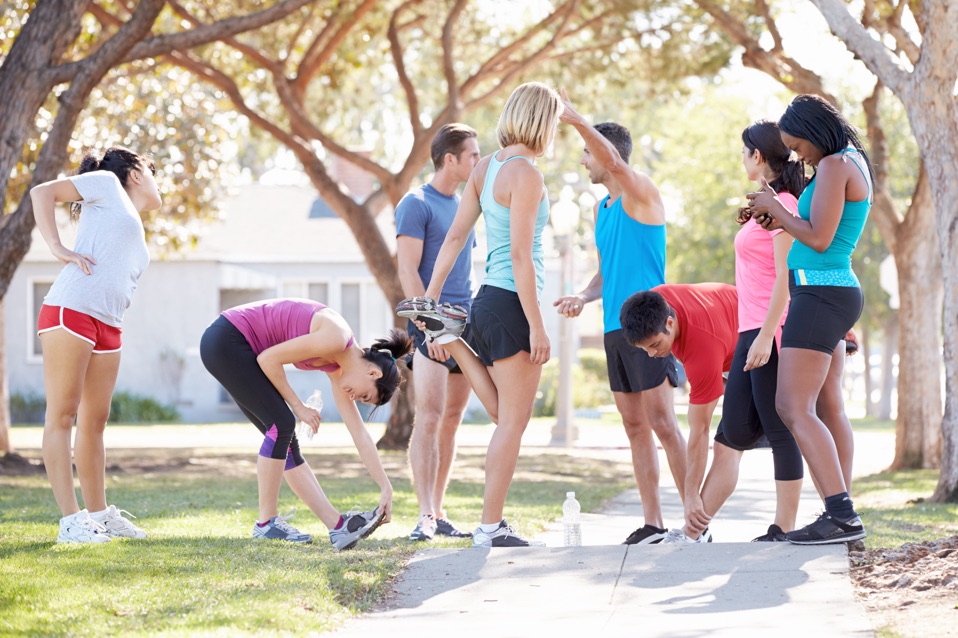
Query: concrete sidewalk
(729, 588)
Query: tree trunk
(399, 428)
(866, 338)
(918, 426)
(889, 350)
(5, 447)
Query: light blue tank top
(499, 240)
(833, 266)
(632, 256)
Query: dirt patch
(13, 464)
(911, 590)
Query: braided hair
(813, 118)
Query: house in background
(276, 239)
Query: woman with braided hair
(246, 347)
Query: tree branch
(317, 57)
(448, 63)
(163, 44)
(251, 52)
(763, 10)
(876, 56)
(395, 49)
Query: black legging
(228, 356)
(748, 411)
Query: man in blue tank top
(630, 239)
(423, 218)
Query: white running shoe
(116, 525)
(80, 528)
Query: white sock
(101, 514)
(489, 528)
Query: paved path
(729, 588)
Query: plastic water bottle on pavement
(571, 528)
(314, 401)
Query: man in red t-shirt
(698, 323)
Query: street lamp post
(565, 219)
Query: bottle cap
(570, 494)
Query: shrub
(124, 408)
(27, 408)
(133, 408)
(590, 383)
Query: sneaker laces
(281, 522)
(675, 535)
(90, 524)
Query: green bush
(132, 408)
(27, 408)
(124, 408)
(590, 383)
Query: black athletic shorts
(419, 339)
(631, 369)
(498, 327)
(820, 316)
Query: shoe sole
(372, 528)
(845, 538)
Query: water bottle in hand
(314, 401)
(571, 528)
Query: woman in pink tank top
(246, 349)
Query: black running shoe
(828, 529)
(773, 535)
(646, 535)
(444, 527)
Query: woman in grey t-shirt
(80, 327)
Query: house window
(351, 308)
(38, 290)
(319, 292)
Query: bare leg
(801, 374)
(517, 381)
(457, 396)
(65, 360)
(787, 496)
(645, 456)
(660, 411)
(478, 374)
(91, 422)
(424, 443)
(719, 483)
(831, 410)
(304, 484)
(269, 478)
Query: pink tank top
(273, 321)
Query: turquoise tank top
(632, 258)
(499, 240)
(837, 258)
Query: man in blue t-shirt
(423, 218)
(630, 239)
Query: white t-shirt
(110, 230)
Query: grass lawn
(200, 574)
(894, 509)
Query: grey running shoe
(445, 528)
(504, 536)
(412, 307)
(356, 526)
(646, 535)
(828, 529)
(277, 528)
(679, 537)
(773, 535)
(446, 320)
(425, 529)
